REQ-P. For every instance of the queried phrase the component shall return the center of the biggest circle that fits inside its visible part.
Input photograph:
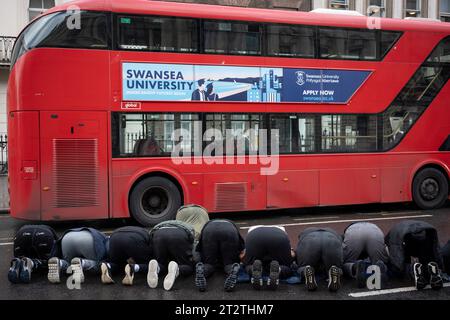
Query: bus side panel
(74, 165)
(394, 185)
(349, 186)
(24, 166)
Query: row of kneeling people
(193, 244)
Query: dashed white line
(388, 291)
(349, 220)
(6, 243)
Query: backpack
(34, 241)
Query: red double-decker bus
(356, 110)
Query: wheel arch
(435, 164)
(172, 176)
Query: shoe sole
(436, 281)
(106, 278)
(13, 273)
(274, 276)
(256, 279)
(54, 271)
(25, 271)
(335, 280)
(172, 274)
(231, 280)
(129, 276)
(310, 279)
(77, 269)
(200, 280)
(419, 279)
(152, 275)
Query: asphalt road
(294, 220)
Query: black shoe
(200, 280)
(25, 270)
(274, 276)
(14, 270)
(231, 280)
(334, 279)
(310, 278)
(419, 276)
(256, 278)
(436, 281)
(360, 271)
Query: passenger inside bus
(147, 147)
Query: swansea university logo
(301, 78)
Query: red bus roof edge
(248, 14)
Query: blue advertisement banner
(176, 82)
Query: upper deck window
(442, 52)
(350, 44)
(290, 41)
(157, 34)
(57, 31)
(232, 38)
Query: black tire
(154, 200)
(430, 189)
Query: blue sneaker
(25, 270)
(13, 273)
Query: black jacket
(241, 240)
(395, 240)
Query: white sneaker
(152, 275)
(106, 274)
(129, 275)
(77, 269)
(172, 275)
(54, 270)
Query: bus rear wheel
(154, 200)
(430, 189)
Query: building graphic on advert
(267, 90)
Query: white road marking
(6, 243)
(399, 213)
(349, 220)
(388, 291)
(316, 218)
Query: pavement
(295, 221)
(4, 194)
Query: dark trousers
(130, 244)
(268, 244)
(173, 244)
(420, 248)
(219, 246)
(321, 250)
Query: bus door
(74, 161)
